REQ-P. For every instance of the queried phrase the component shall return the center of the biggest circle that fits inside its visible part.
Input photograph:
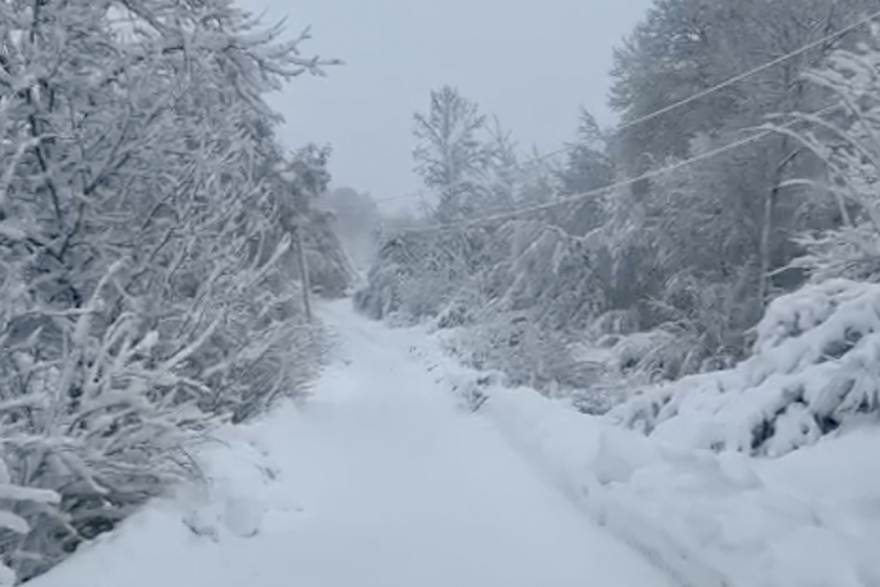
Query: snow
(407, 468)
(810, 518)
(380, 480)
(815, 368)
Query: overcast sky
(530, 62)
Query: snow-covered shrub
(613, 324)
(14, 522)
(511, 343)
(90, 413)
(540, 269)
(418, 273)
(815, 368)
(515, 345)
(465, 308)
(516, 295)
(655, 354)
(146, 289)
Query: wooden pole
(303, 270)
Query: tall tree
(847, 140)
(588, 166)
(451, 154)
(739, 204)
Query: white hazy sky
(530, 62)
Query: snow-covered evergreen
(813, 371)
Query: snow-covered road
(380, 481)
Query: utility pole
(303, 268)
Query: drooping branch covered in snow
(813, 370)
(846, 138)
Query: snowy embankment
(688, 487)
(379, 481)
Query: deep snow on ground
(408, 469)
(808, 519)
(379, 481)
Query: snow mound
(815, 368)
(810, 518)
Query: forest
(734, 206)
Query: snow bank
(815, 368)
(196, 536)
(810, 518)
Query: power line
(623, 183)
(690, 99)
(729, 82)
(751, 72)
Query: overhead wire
(613, 186)
(688, 100)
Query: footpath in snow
(379, 481)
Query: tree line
(635, 257)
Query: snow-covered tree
(847, 139)
(144, 276)
(450, 152)
(469, 163)
(705, 248)
(812, 366)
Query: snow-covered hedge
(815, 367)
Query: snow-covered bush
(14, 526)
(515, 295)
(536, 267)
(418, 273)
(512, 343)
(147, 284)
(521, 266)
(815, 368)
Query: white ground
(380, 481)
